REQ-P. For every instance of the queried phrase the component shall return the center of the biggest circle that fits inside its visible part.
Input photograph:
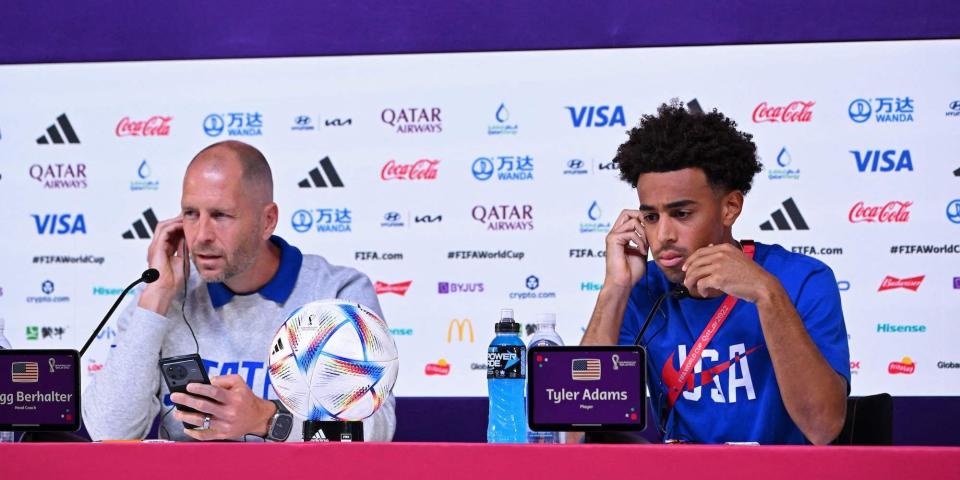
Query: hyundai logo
(302, 220)
(860, 110)
(302, 120)
(391, 217)
(213, 125)
(955, 105)
(575, 164)
(482, 168)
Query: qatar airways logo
(890, 283)
(155, 126)
(795, 112)
(504, 217)
(892, 212)
(423, 169)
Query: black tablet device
(586, 389)
(39, 390)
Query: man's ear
(270, 216)
(730, 207)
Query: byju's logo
(784, 160)
(502, 127)
(413, 120)
(144, 183)
(883, 160)
(60, 224)
(236, 124)
(594, 225)
(953, 211)
(316, 178)
(48, 287)
(597, 116)
(326, 220)
(61, 135)
(140, 230)
(881, 109)
(504, 217)
(392, 220)
(60, 175)
(780, 220)
(446, 288)
(506, 167)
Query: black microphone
(678, 292)
(149, 275)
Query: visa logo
(597, 116)
(883, 161)
(60, 224)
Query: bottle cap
(547, 319)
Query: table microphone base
(332, 431)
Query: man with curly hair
(755, 349)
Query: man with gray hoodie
(243, 284)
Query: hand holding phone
(180, 371)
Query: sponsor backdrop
(465, 183)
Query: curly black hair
(675, 139)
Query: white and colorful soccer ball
(333, 360)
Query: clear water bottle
(545, 336)
(4, 345)
(506, 374)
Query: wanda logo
(795, 112)
(423, 169)
(155, 126)
(891, 212)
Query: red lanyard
(705, 336)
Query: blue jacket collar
(278, 289)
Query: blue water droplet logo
(144, 171)
(502, 113)
(594, 212)
(784, 158)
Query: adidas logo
(139, 230)
(319, 437)
(54, 134)
(317, 178)
(780, 221)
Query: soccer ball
(333, 360)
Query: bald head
(255, 171)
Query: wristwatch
(281, 424)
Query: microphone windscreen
(150, 275)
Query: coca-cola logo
(796, 111)
(155, 126)
(891, 212)
(423, 169)
(912, 283)
(904, 366)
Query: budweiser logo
(155, 126)
(905, 366)
(890, 283)
(397, 288)
(794, 112)
(439, 368)
(891, 212)
(420, 170)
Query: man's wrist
(268, 409)
(155, 301)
